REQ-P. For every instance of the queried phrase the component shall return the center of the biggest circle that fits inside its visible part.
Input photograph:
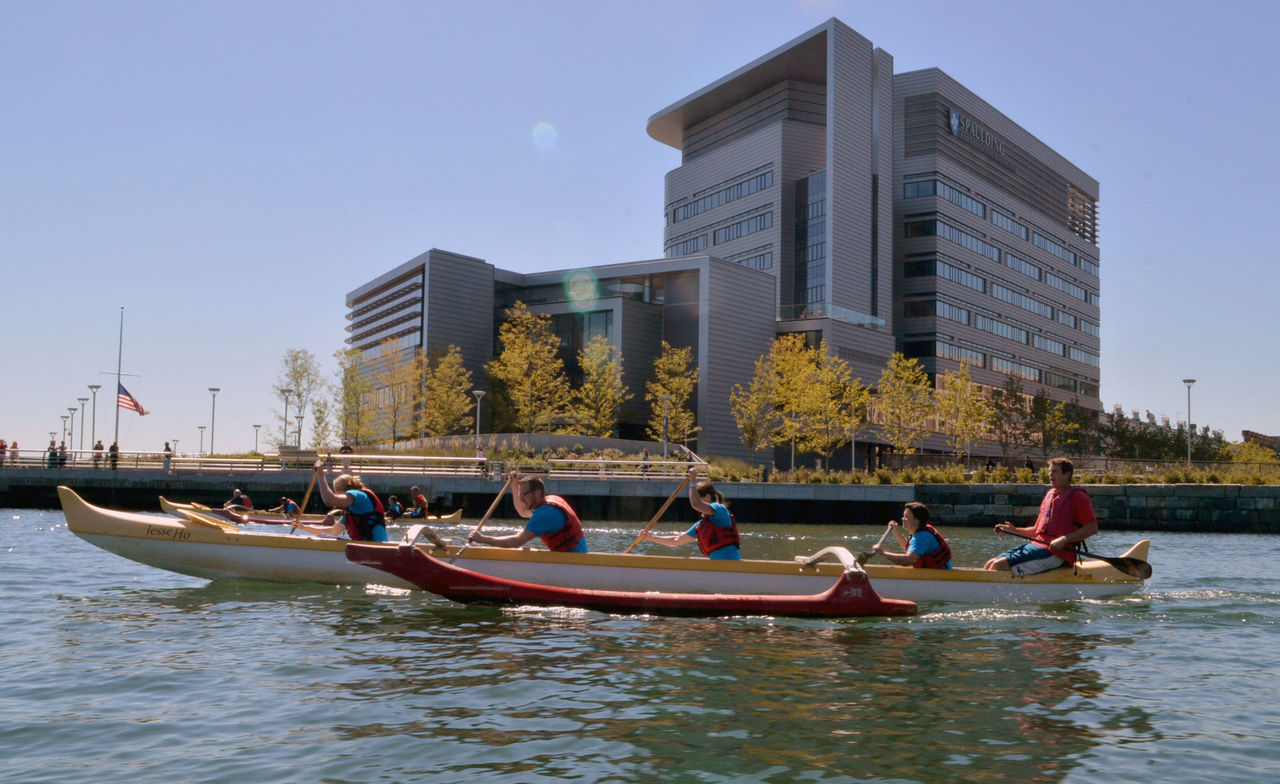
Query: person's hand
(877, 548)
(1003, 528)
(894, 523)
(474, 536)
(1060, 543)
(693, 473)
(512, 476)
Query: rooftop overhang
(803, 59)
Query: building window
(1021, 300)
(957, 275)
(692, 245)
(1066, 318)
(1088, 327)
(969, 241)
(722, 197)
(962, 200)
(1016, 368)
(1080, 355)
(742, 228)
(1066, 286)
(1059, 381)
(1049, 344)
(1021, 265)
(914, 190)
(1000, 328)
(916, 308)
(1088, 266)
(1008, 224)
(948, 311)
(948, 351)
(1045, 243)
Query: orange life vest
(939, 557)
(567, 537)
(712, 537)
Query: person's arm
(1001, 528)
(901, 559)
(670, 540)
(517, 500)
(905, 558)
(335, 526)
(695, 500)
(896, 528)
(1081, 509)
(513, 540)
(329, 497)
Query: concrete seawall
(1209, 508)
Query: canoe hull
(185, 547)
(850, 596)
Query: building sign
(969, 131)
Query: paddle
(484, 519)
(670, 498)
(1134, 567)
(864, 557)
(298, 517)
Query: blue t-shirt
(922, 543)
(547, 519)
(719, 516)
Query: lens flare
(582, 289)
(544, 136)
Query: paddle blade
(1133, 567)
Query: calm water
(117, 672)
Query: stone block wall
(1208, 508)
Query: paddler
(1066, 518)
(356, 509)
(716, 532)
(550, 518)
(923, 547)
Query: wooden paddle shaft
(663, 509)
(497, 499)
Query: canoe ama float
(195, 548)
(851, 595)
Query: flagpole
(119, 360)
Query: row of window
(742, 228)
(915, 308)
(691, 245)
(722, 197)
(912, 190)
(760, 261)
(919, 188)
(1021, 300)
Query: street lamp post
(299, 419)
(201, 429)
(286, 393)
(666, 400)
(255, 437)
(82, 400)
(213, 414)
(1188, 382)
(71, 429)
(93, 434)
(64, 428)
(479, 393)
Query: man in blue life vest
(716, 532)
(923, 547)
(550, 519)
(1066, 518)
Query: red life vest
(1056, 519)
(360, 527)
(568, 536)
(712, 537)
(939, 557)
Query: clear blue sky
(227, 171)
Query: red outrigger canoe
(850, 596)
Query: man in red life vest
(1066, 518)
(550, 518)
(923, 547)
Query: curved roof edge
(804, 58)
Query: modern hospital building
(819, 193)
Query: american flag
(125, 400)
